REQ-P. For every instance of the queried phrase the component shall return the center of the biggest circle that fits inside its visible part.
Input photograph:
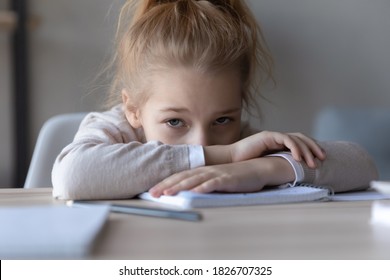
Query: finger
(316, 149)
(289, 142)
(185, 180)
(309, 149)
(299, 149)
(188, 183)
(208, 186)
(158, 189)
(277, 141)
(305, 152)
(216, 183)
(203, 180)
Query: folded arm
(105, 161)
(346, 167)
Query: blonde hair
(208, 35)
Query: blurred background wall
(326, 53)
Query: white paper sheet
(359, 196)
(49, 232)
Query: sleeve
(197, 158)
(296, 166)
(347, 167)
(106, 160)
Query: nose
(201, 137)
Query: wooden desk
(323, 230)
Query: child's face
(188, 107)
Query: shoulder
(114, 116)
(111, 123)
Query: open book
(281, 194)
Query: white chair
(55, 134)
(369, 127)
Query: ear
(131, 111)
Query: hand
(265, 142)
(245, 176)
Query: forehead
(196, 90)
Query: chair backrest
(55, 134)
(369, 127)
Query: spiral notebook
(281, 194)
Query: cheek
(157, 132)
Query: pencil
(142, 211)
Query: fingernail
(168, 192)
(298, 158)
(153, 192)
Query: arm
(245, 176)
(347, 167)
(246, 169)
(107, 160)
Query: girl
(184, 73)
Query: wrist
(279, 171)
(218, 154)
(296, 166)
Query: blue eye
(175, 123)
(223, 120)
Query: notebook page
(187, 199)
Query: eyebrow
(174, 109)
(230, 111)
(181, 110)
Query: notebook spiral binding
(330, 189)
